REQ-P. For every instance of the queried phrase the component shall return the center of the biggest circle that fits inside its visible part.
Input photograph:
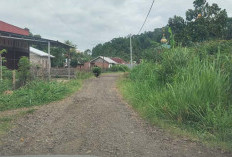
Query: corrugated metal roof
(107, 59)
(40, 53)
(5, 27)
(118, 60)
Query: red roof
(118, 60)
(5, 27)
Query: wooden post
(14, 79)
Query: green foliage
(5, 85)
(83, 75)
(74, 63)
(97, 71)
(23, 72)
(6, 73)
(3, 51)
(204, 22)
(37, 93)
(119, 47)
(59, 59)
(172, 40)
(188, 87)
(1, 63)
(119, 68)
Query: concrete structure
(39, 58)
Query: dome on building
(164, 40)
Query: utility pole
(131, 64)
(49, 62)
(69, 64)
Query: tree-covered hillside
(204, 22)
(119, 47)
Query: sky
(89, 22)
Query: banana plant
(1, 60)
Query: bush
(5, 85)
(7, 74)
(23, 72)
(186, 89)
(119, 68)
(96, 71)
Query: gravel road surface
(95, 121)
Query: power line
(147, 16)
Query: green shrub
(7, 74)
(23, 72)
(96, 71)
(187, 90)
(5, 85)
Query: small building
(16, 48)
(17, 43)
(39, 58)
(102, 62)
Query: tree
(1, 61)
(206, 21)
(59, 59)
(178, 26)
(228, 33)
(24, 70)
(88, 52)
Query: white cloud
(89, 22)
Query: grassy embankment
(34, 93)
(186, 90)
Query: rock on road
(95, 121)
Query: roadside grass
(176, 129)
(40, 92)
(185, 93)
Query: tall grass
(186, 89)
(37, 93)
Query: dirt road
(95, 121)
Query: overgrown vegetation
(37, 93)
(34, 92)
(23, 71)
(187, 87)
